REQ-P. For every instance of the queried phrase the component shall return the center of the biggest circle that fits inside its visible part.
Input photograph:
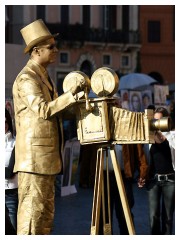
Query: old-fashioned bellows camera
(100, 120)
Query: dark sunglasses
(50, 47)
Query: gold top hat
(35, 33)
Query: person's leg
(11, 199)
(169, 206)
(92, 169)
(123, 230)
(9, 229)
(119, 208)
(84, 166)
(36, 204)
(154, 197)
(163, 217)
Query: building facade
(157, 28)
(90, 36)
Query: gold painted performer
(38, 131)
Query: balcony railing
(80, 33)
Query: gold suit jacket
(37, 115)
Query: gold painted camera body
(108, 123)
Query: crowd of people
(34, 156)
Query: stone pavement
(73, 213)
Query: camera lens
(162, 124)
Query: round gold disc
(72, 79)
(104, 82)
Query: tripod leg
(122, 192)
(97, 193)
(106, 202)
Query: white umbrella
(135, 80)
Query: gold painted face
(48, 51)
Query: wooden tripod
(99, 193)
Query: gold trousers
(36, 203)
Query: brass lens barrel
(162, 124)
